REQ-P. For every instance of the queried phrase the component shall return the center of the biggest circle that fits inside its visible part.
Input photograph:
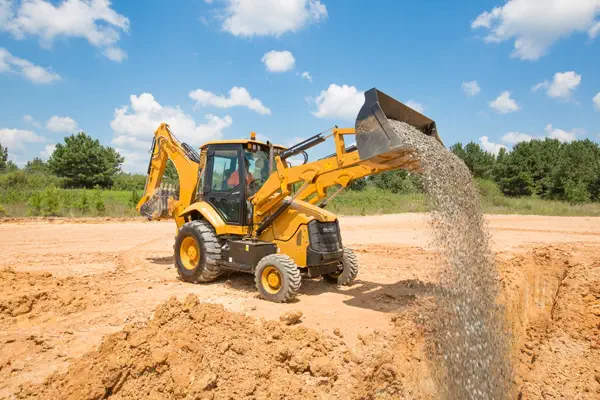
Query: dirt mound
(201, 350)
(30, 294)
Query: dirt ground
(87, 311)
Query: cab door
(223, 184)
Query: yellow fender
(209, 214)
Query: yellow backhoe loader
(242, 206)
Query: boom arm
(187, 162)
(379, 148)
(316, 177)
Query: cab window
(224, 168)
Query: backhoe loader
(242, 206)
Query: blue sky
(75, 65)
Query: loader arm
(378, 148)
(158, 202)
(316, 177)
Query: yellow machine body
(292, 196)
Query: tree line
(546, 169)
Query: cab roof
(241, 141)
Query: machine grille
(324, 236)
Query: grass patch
(76, 203)
(376, 201)
(373, 201)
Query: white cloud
(594, 30)
(306, 75)
(559, 134)
(550, 132)
(270, 17)
(504, 104)
(516, 137)
(535, 25)
(116, 54)
(131, 142)
(47, 152)
(418, 107)
(563, 84)
(30, 120)
(471, 88)
(279, 61)
(145, 114)
(16, 138)
(541, 85)
(238, 96)
(61, 124)
(134, 126)
(490, 147)
(342, 102)
(30, 71)
(135, 161)
(93, 20)
(596, 101)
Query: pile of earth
(33, 294)
(198, 350)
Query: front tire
(277, 278)
(348, 270)
(197, 252)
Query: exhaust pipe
(375, 136)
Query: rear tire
(197, 252)
(277, 278)
(348, 271)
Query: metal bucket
(376, 139)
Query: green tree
(171, 175)
(83, 203)
(3, 157)
(37, 165)
(98, 201)
(550, 169)
(51, 202)
(479, 161)
(84, 162)
(576, 172)
(358, 184)
(399, 181)
(11, 166)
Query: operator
(234, 178)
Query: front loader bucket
(376, 139)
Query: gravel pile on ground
(472, 347)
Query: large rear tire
(277, 278)
(347, 272)
(197, 252)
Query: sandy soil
(72, 295)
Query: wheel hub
(271, 279)
(189, 253)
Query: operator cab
(235, 170)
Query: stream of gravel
(471, 354)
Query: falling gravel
(471, 345)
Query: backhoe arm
(158, 202)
